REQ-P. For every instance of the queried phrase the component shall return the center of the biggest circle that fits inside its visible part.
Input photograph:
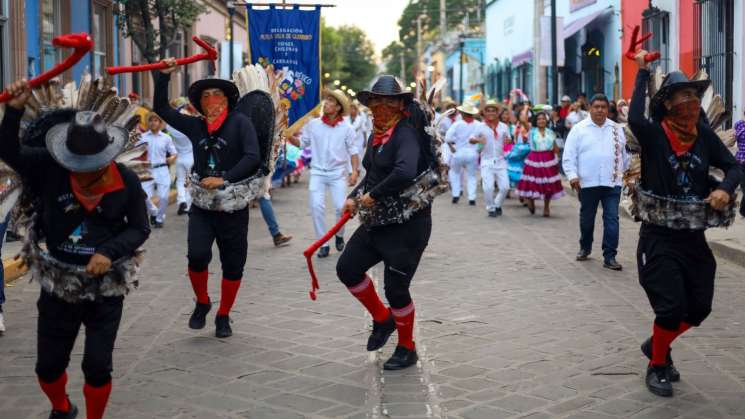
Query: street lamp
(326, 75)
(337, 82)
(231, 13)
(344, 87)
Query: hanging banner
(290, 40)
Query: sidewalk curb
(13, 267)
(733, 254)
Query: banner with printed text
(289, 39)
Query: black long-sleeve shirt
(115, 228)
(392, 167)
(658, 158)
(231, 152)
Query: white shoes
(2, 323)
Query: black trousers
(398, 246)
(58, 326)
(229, 229)
(676, 270)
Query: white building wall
(509, 28)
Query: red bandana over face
(680, 125)
(215, 110)
(385, 117)
(90, 195)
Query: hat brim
(469, 111)
(57, 146)
(227, 86)
(656, 104)
(340, 98)
(365, 96)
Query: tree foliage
(171, 15)
(348, 56)
(458, 12)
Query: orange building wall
(631, 15)
(686, 35)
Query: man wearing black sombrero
(226, 152)
(394, 158)
(91, 213)
(676, 201)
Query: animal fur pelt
(231, 198)
(70, 282)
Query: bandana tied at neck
(680, 125)
(215, 110)
(385, 117)
(332, 122)
(89, 195)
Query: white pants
(464, 161)
(159, 186)
(319, 182)
(184, 163)
(489, 173)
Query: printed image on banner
(289, 40)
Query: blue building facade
(45, 19)
(464, 69)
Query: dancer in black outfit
(91, 213)
(393, 159)
(676, 266)
(226, 151)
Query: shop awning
(580, 23)
(522, 58)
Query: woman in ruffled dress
(541, 179)
(520, 148)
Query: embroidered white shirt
(459, 135)
(595, 154)
(159, 146)
(492, 155)
(331, 147)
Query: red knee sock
(405, 325)
(199, 285)
(229, 290)
(365, 292)
(56, 393)
(96, 399)
(661, 340)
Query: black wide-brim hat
(58, 146)
(387, 86)
(673, 82)
(227, 86)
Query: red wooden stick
(80, 42)
(308, 253)
(209, 54)
(636, 42)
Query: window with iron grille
(713, 48)
(657, 22)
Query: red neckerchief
(382, 138)
(679, 147)
(331, 123)
(217, 122)
(90, 196)
(468, 118)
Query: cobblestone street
(508, 325)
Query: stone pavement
(509, 325)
